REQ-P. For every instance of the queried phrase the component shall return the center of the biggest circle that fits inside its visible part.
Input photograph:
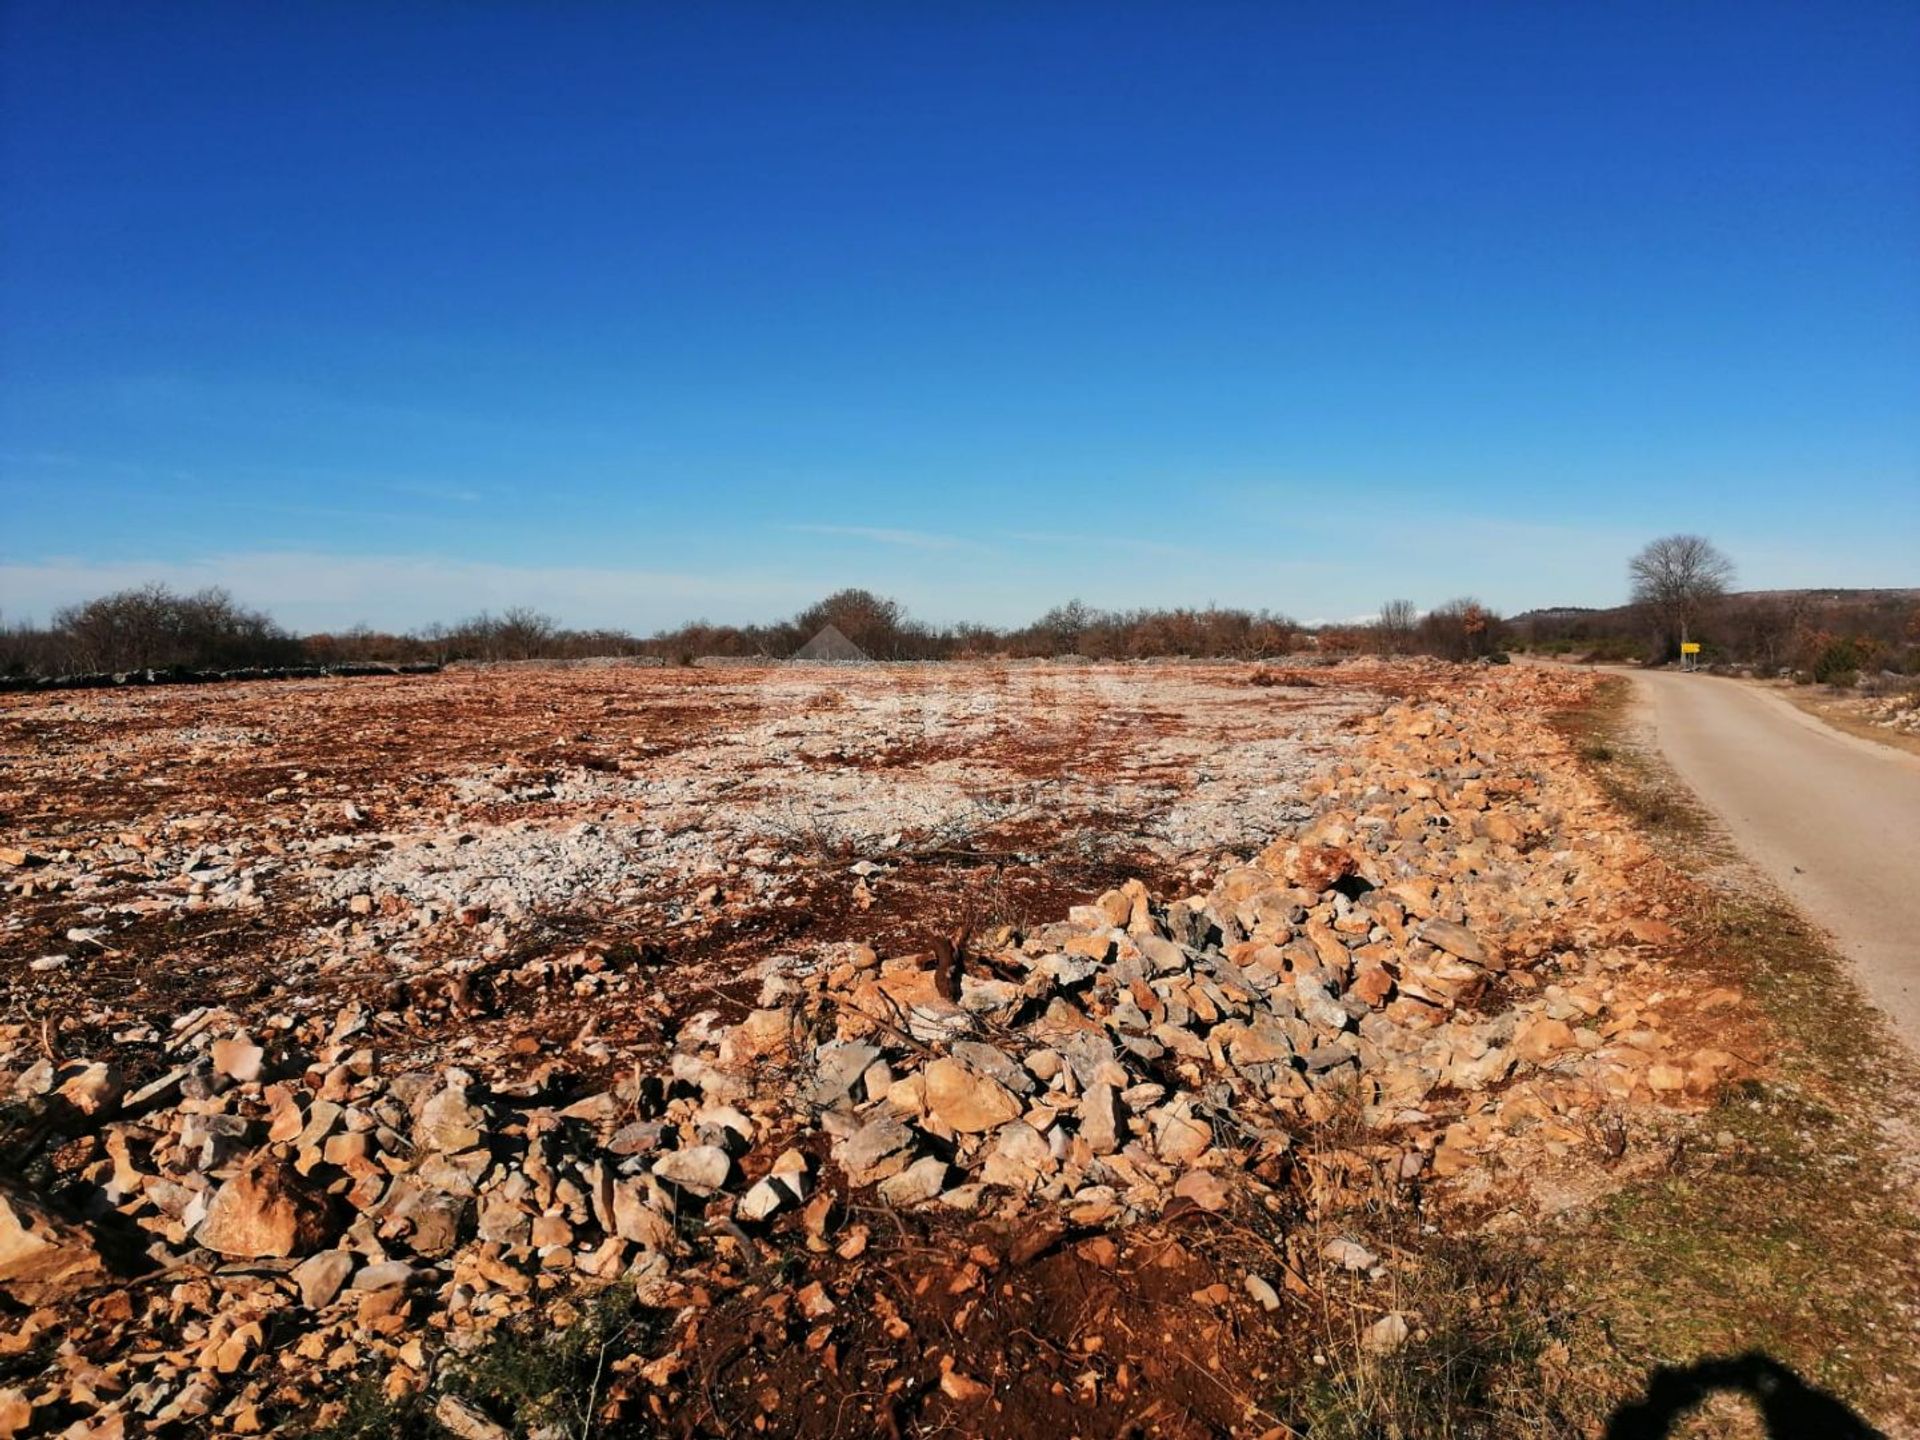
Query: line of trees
(1680, 587)
(884, 631)
(154, 628)
(149, 627)
(519, 633)
(1461, 629)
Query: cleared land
(1026, 1050)
(317, 843)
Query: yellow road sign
(1692, 647)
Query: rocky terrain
(1899, 712)
(962, 1050)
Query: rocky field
(1013, 1050)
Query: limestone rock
(321, 1276)
(1020, 1158)
(1541, 1038)
(1386, 1335)
(1204, 1188)
(94, 1090)
(634, 1219)
(1102, 1119)
(880, 1148)
(42, 1257)
(1350, 1254)
(239, 1059)
(699, 1169)
(449, 1122)
(966, 1101)
(921, 1181)
(764, 1198)
(837, 1069)
(264, 1212)
(1457, 940)
(466, 1421)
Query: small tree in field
(1397, 623)
(1462, 629)
(1676, 578)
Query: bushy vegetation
(149, 628)
(1461, 629)
(529, 1380)
(1831, 638)
(519, 633)
(155, 628)
(884, 631)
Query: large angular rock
(1541, 1038)
(880, 1148)
(1203, 1188)
(763, 1037)
(1457, 940)
(1020, 1158)
(993, 1061)
(42, 1257)
(918, 1183)
(966, 1101)
(239, 1059)
(1318, 1005)
(94, 1090)
(1316, 867)
(449, 1122)
(634, 1219)
(1180, 1137)
(837, 1069)
(768, 1197)
(466, 1421)
(321, 1276)
(1102, 1119)
(1164, 956)
(699, 1169)
(263, 1212)
(1262, 1043)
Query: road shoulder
(1787, 1220)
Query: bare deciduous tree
(1675, 578)
(1397, 623)
(153, 627)
(1065, 624)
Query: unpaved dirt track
(1834, 819)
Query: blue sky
(637, 313)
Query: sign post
(1689, 654)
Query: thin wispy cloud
(458, 494)
(1130, 543)
(881, 535)
(333, 478)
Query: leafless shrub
(149, 627)
(1398, 623)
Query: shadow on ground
(1791, 1408)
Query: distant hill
(1836, 598)
(1831, 597)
